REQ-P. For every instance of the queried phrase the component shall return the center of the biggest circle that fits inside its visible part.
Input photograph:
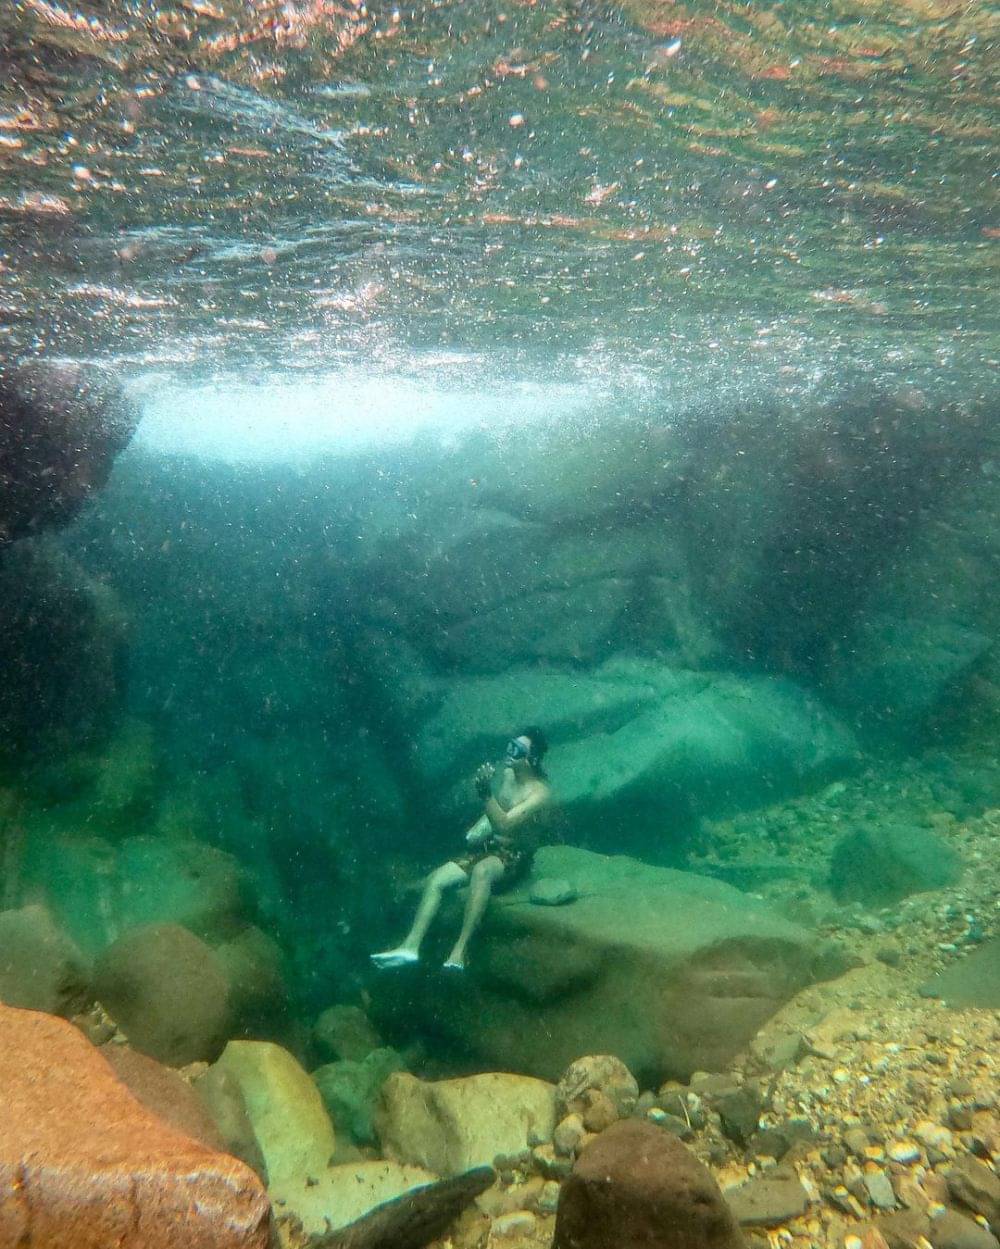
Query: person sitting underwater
(501, 848)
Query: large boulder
(638, 747)
(292, 1128)
(637, 1187)
(83, 1163)
(880, 865)
(168, 993)
(166, 1093)
(61, 426)
(40, 967)
(99, 888)
(451, 1126)
(670, 971)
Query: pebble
(933, 1135)
(904, 1151)
(548, 1198)
(880, 1191)
(567, 1136)
(520, 1223)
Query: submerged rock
(61, 426)
(377, 1205)
(637, 1186)
(40, 967)
(640, 747)
(62, 649)
(165, 1093)
(551, 891)
(345, 1032)
(670, 971)
(168, 993)
(768, 1200)
(972, 981)
(451, 1126)
(291, 1126)
(601, 1073)
(83, 1163)
(880, 865)
(350, 1092)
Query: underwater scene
(499, 604)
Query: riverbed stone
(670, 971)
(167, 992)
(450, 1126)
(40, 967)
(375, 1204)
(284, 1106)
(83, 1163)
(881, 865)
(971, 981)
(637, 1187)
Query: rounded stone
(167, 992)
(637, 1186)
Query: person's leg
(484, 877)
(448, 876)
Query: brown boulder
(637, 1187)
(166, 1094)
(40, 967)
(167, 992)
(84, 1164)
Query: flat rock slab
(409, 1220)
(84, 1164)
(767, 1201)
(670, 971)
(973, 981)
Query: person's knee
(486, 872)
(445, 877)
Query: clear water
(627, 369)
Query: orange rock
(84, 1164)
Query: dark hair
(539, 745)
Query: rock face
(638, 1187)
(880, 866)
(83, 1163)
(61, 427)
(62, 647)
(99, 887)
(40, 968)
(167, 991)
(670, 971)
(451, 1126)
(639, 747)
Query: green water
(625, 370)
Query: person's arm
(479, 831)
(505, 822)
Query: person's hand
(483, 779)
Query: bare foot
(400, 957)
(454, 964)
